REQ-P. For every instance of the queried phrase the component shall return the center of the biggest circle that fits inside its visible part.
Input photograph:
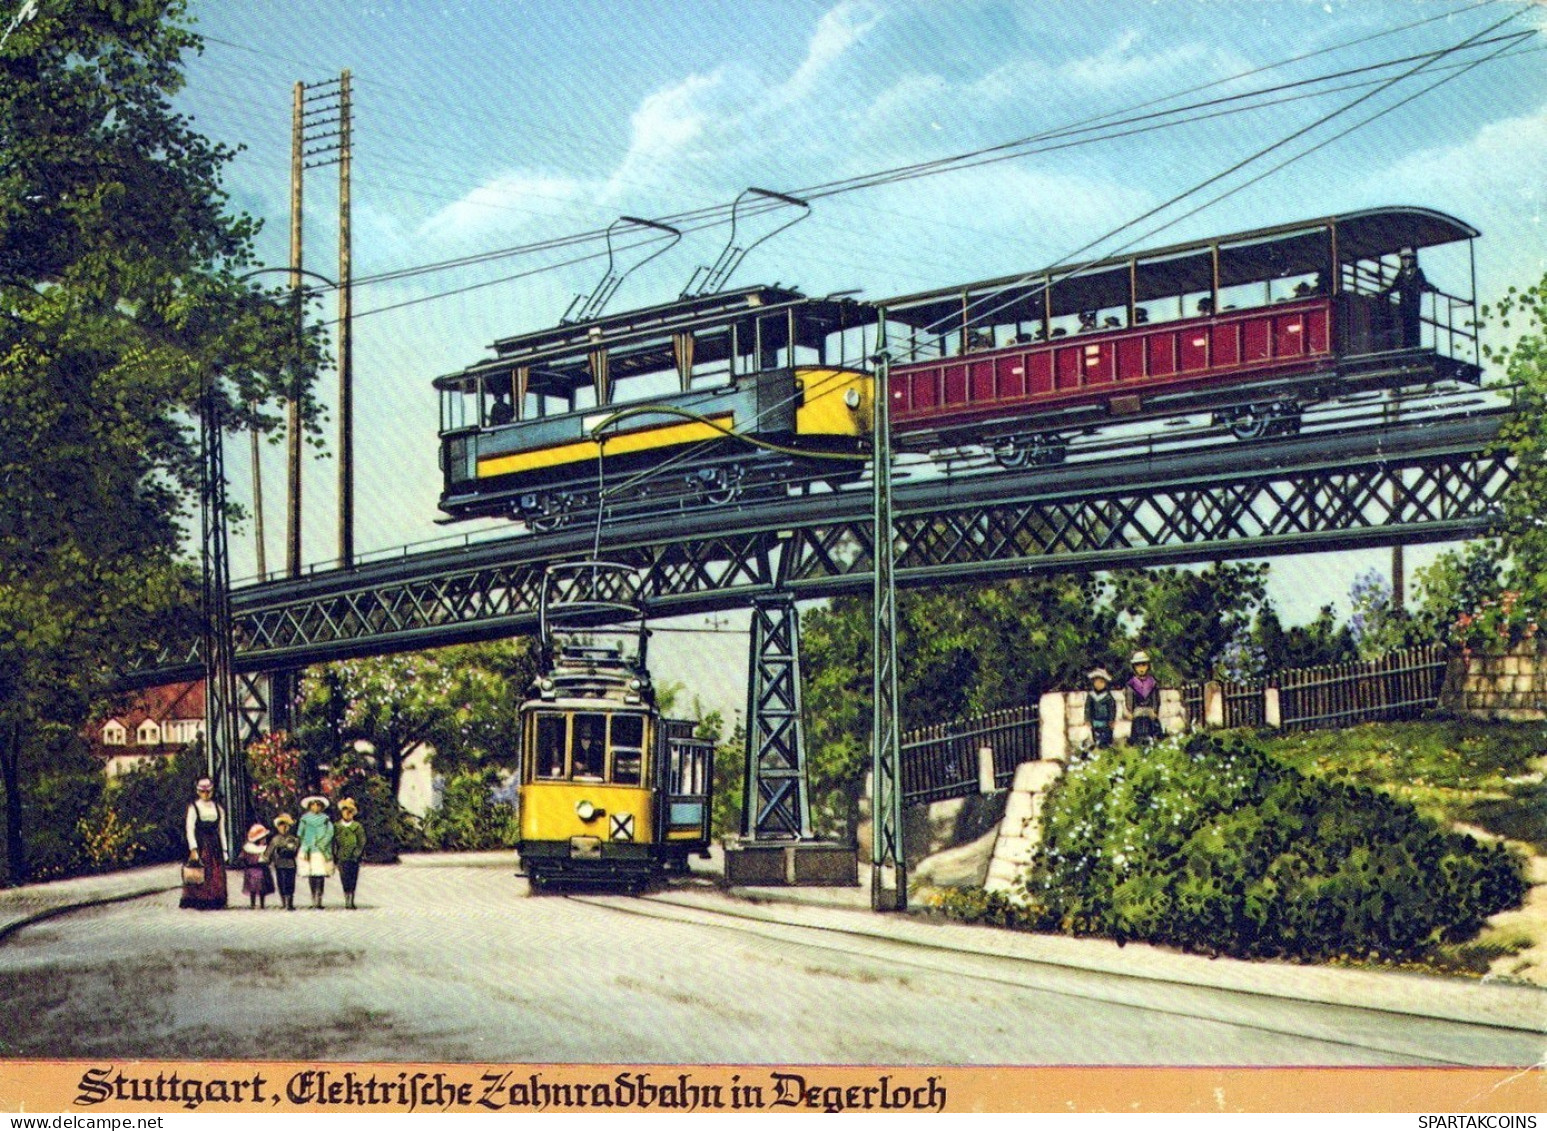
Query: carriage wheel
(1250, 423)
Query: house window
(149, 734)
(114, 734)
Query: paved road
(459, 963)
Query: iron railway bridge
(1438, 478)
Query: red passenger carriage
(1253, 327)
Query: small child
(282, 852)
(1100, 708)
(256, 881)
(349, 848)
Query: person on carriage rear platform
(1408, 288)
(1143, 694)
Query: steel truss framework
(1404, 484)
(1416, 481)
(778, 806)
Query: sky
(482, 126)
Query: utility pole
(327, 139)
(293, 410)
(346, 455)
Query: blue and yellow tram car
(697, 400)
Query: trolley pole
(888, 871)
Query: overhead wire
(1293, 136)
(1047, 273)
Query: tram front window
(549, 746)
(628, 741)
(590, 750)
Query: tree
(1189, 620)
(121, 295)
(1495, 592)
(464, 701)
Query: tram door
(687, 769)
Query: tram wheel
(1250, 423)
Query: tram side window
(628, 741)
(548, 746)
(590, 748)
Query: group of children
(1142, 692)
(312, 849)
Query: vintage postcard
(777, 557)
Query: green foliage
(1323, 641)
(964, 650)
(1212, 844)
(464, 701)
(58, 801)
(120, 294)
(469, 817)
(146, 807)
(1187, 620)
(977, 905)
(1493, 594)
(1451, 770)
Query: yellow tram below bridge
(612, 793)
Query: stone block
(1017, 808)
(1003, 871)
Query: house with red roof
(156, 723)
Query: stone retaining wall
(1512, 686)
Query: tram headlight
(635, 684)
(586, 811)
(851, 397)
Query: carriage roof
(1249, 256)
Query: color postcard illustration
(851, 556)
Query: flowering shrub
(1211, 844)
(469, 818)
(111, 841)
(275, 767)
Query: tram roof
(653, 322)
(1295, 248)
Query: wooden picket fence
(1398, 685)
(941, 761)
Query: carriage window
(590, 749)
(549, 746)
(628, 741)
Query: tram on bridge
(764, 391)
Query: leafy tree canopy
(121, 292)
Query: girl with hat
(257, 884)
(315, 861)
(348, 848)
(284, 846)
(209, 844)
(1143, 701)
(1100, 708)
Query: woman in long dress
(209, 844)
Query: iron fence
(1398, 685)
(941, 761)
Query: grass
(1457, 771)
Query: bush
(470, 818)
(1213, 845)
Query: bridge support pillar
(776, 845)
(776, 804)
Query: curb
(29, 918)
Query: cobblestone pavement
(459, 963)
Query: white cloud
(511, 202)
(837, 31)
